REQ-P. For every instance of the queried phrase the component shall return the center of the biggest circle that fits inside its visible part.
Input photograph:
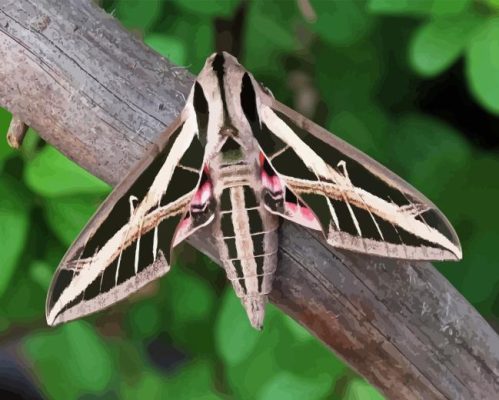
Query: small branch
(17, 131)
(101, 97)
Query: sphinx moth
(237, 160)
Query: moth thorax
(231, 151)
(229, 131)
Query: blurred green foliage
(355, 67)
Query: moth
(237, 160)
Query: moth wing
(316, 179)
(128, 241)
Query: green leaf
(29, 148)
(41, 273)
(353, 87)
(134, 14)
(254, 372)
(494, 4)
(70, 361)
(145, 319)
(437, 44)
(150, 385)
(401, 7)
(192, 293)
(194, 381)
(360, 390)
(201, 41)
(169, 47)
(14, 223)
(4, 323)
(51, 174)
(298, 331)
(234, 336)
(23, 301)
(430, 153)
(419, 7)
(477, 217)
(191, 303)
(341, 22)
(475, 183)
(450, 7)
(483, 65)
(268, 37)
(299, 352)
(480, 287)
(67, 215)
(203, 44)
(212, 8)
(365, 129)
(278, 356)
(288, 386)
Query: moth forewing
(368, 208)
(129, 240)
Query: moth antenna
(343, 165)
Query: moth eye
(248, 99)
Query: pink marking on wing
(302, 215)
(202, 194)
(307, 213)
(262, 159)
(266, 181)
(273, 183)
(291, 207)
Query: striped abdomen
(247, 241)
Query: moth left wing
(317, 180)
(128, 242)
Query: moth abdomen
(247, 239)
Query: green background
(414, 83)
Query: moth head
(226, 98)
(222, 58)
(217, 85)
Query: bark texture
(100, 96)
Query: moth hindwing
(236, 159)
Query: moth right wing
(129, 240)
(317, 180)
(356, 202)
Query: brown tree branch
(101, 97)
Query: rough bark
(100, 96)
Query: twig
(17, 131)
